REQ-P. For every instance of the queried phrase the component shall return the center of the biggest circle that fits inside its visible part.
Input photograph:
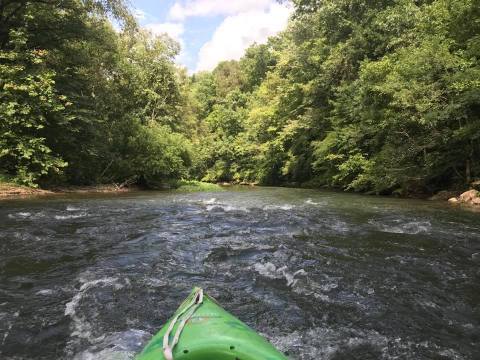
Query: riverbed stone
(476, 201)
(469, 196)
(453, 200)
(444, 195)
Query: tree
(28, 103)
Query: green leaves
(366, 96)
(157, 155)
(28, 101)
(378, 96)
(82, 103)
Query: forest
(375, 96)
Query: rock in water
(469, 196)
(453, 200)
(444, 195)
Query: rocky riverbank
(9, 190)
(470, 197)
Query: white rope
(189, 311)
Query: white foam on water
(106, 354)
(409, 349)
(154, 282)
(311, 202)
(285, 207)
(226, 208)
(73, 208)
(209, 201)
(318, 290)
(44, 292)
(403, 227)
(19, 215)
(269, 270)
(291, 281)
(322, 297)
(450, 353)
(73, 216)
(116, 346)
(26, 215)
(325, 343)
(339, 226)
(82, 327)
(9, 327)
(328, 287)
(430, 304)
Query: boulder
(469, 196)
(476, 201)
(444, 195)
(453, 200)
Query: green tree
(28, 104)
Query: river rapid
(322, 275)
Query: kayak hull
(212, 334)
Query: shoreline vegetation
(11, 191)
(375, 97)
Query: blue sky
(210, 31)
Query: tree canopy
(376, 96)
(81, 103)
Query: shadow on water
(322, 275)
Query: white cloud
(236, 33)
(139, 14)
(174, 30)
(183, 9)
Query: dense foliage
(378, 96)
(81, 103)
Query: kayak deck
(211, 333)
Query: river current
(322, 275)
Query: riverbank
(11, 190)
(470, 197)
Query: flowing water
(322, 275)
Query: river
(322, 275)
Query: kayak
(201, 330)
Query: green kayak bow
(201, 330)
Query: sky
(210, 31)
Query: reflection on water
(321, 275)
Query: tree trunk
(468, 174)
